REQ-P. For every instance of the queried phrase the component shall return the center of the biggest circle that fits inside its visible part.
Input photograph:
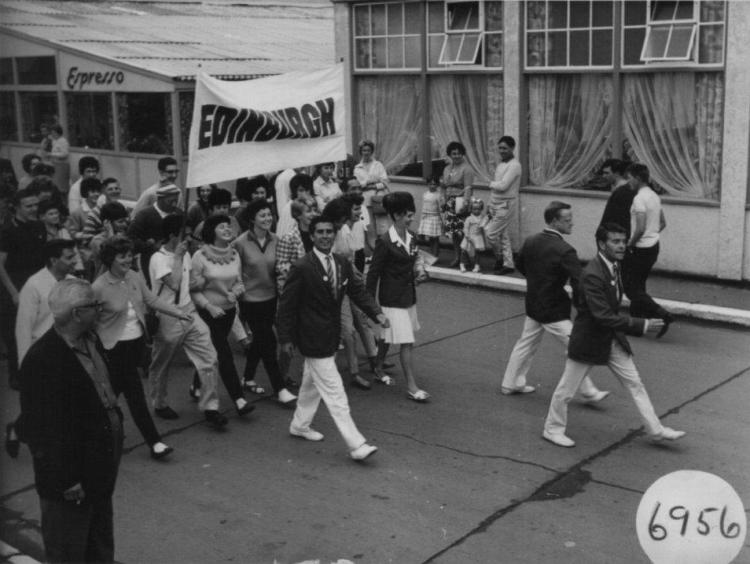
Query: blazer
(64, 422)
(393, 266)
(548, 262)
(599, 321)
(309, 314)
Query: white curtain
(468, 109)
(672, 122)
(569, 127)
(389, 113)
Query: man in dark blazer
(310, 318)
(547, 262)
(71, 422)
(599, 338)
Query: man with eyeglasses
(73, 427)
(168, 173)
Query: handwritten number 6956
(681, 513)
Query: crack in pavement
(549, 486)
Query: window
(569, 34)
(386, 36)
(676, 32)
(145, 122)
(36, 70)
(6, 70)
(8, 125)
(90, 119)
(37, 109)
(186, 100)
(465, 33)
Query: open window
(463, 35)
(670, 31)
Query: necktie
(329, 274)
(618, 281)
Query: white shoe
(668, 434)
(522, 390)
(476, 268)
(285, 397)
(559, 439)
(363, 451)
(309, 434)
(462, 268)
(596, 397)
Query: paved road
(464, 479)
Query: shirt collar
(552, 231)
(610, 264)
(321, 256)
(161, 213)
(395, 238)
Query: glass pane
(361, 20)
(579, 48)
(436, 22)
(436, 45)
(186, 101)
(36, 70)
(469, 49)
(395, 19)
(635, 12)
(493, 16)
(90, 121)
(558, 54)
(145, 123)
(601, 47)
(579, 14)
(685, 10)
(663, 11)
(535, 50)
(363, 53)
(632, 46)
(536, 15)
(711, 46)
(378, 53)
(679, 43)
(378, 19)
(493, 49)
(37, 109)
(464, 15)
(656, 42)
(413, 53)
(712, 11)
(558, 15)
(413, 21)
(6, 70)
(602, 13)
(395, 52)
(451, 48)
(8, 125)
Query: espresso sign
(78, 79)
(80, 74)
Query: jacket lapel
(322, 275)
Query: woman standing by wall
(457, 182)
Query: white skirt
(403, 324)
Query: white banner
(249, 127)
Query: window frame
(386, 36)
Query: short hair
(66, 293)
(46, 205)
(117, 245)
(398, 203)
(298, 208)
(476, 201)
(42, 169)
(219, 197)
(553, 209)
(508, 140)
(54, 248)
(320, 219)
(254, 207)
(453, 146)
(57, 128)
(26, 161)
(108, 180)
(618, 166)
(164, 162)
(112, 211)
(365, 143)
(338, 208)
(639, 171)
(172, 225)
(603, 231)
(42, 184)
(89, 185)
(208, 233)
(88, 162)
(28, 192)
(355, 198)
(244, 187)
(303, 181)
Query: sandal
(384, 379)
(420, 396)
(253, 387)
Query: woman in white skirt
(395, 271)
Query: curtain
(569, 127)
(673, 124)
(390, 114)
(468, 109)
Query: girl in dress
(395, 271)
(457, 180)
(431, 224)
(473, 235)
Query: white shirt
(344, 244)
(281, 188)
(507, 181)
(286, 221)
(648, 202)
(395, 238)
(325, 191)
(160, 265)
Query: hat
(168, 190)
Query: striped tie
(329, 273)
(618, 280)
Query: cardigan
(258, 266)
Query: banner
(249, 127)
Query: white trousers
(525, 348)
(621, 364)
(321, 379)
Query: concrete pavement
(463, 479)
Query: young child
(431, 223)
(473, 235)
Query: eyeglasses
(97, 305)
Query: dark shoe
(245, 409)
(166, 412)
(361, 383)
(505, 270)
(291, 384)
(215, 418)
(160, 450)
(668, 319)
(12, 444)
(388, 365)
(194, 392)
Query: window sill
(600, 195)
